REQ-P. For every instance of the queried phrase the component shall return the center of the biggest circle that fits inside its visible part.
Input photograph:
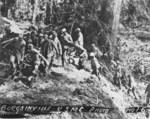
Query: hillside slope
(72, 89)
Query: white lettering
(92, 109)
(3, 107)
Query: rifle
(7, 42)
(42, 57)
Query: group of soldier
(36, 51)
(123, 77)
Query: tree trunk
(1, 30)
(51, 12)
(65, 3)
(115, 25)
(35, 11)
(0, 50)
(1, 34)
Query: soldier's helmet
(64, 30)
(41, 35)
(46, 36)
(92, 54)
(54, 33)
(20, 35)
(50, 37)
(93, 45)
(30, 46)
(78, 30)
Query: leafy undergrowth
(72, 87)
(132, 49)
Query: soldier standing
(48, 50)
(66, 40)
(94, 64)
(57, 43)
(18, 50)
(131, 85)
(97, 52)
(33, 57)
(79, 41)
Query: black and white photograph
(75, 59)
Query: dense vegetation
(93, 17)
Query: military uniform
(82, 59)
(79, 41)
(95, 66)
(49, 51)
(18, 50)
(58, 45)
(131, 85)
(35, 40)
(98, 53)
(33, 59)
(119, 75)
(65, 40)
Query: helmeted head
(78, 30)
(51, 37)
(54, 33)
(17, 38)
(41, 35)
(93, 46)
(30, 47)
(92, 55)
(45, 36)
(20, 35)
(64, 30)
(25, 36)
